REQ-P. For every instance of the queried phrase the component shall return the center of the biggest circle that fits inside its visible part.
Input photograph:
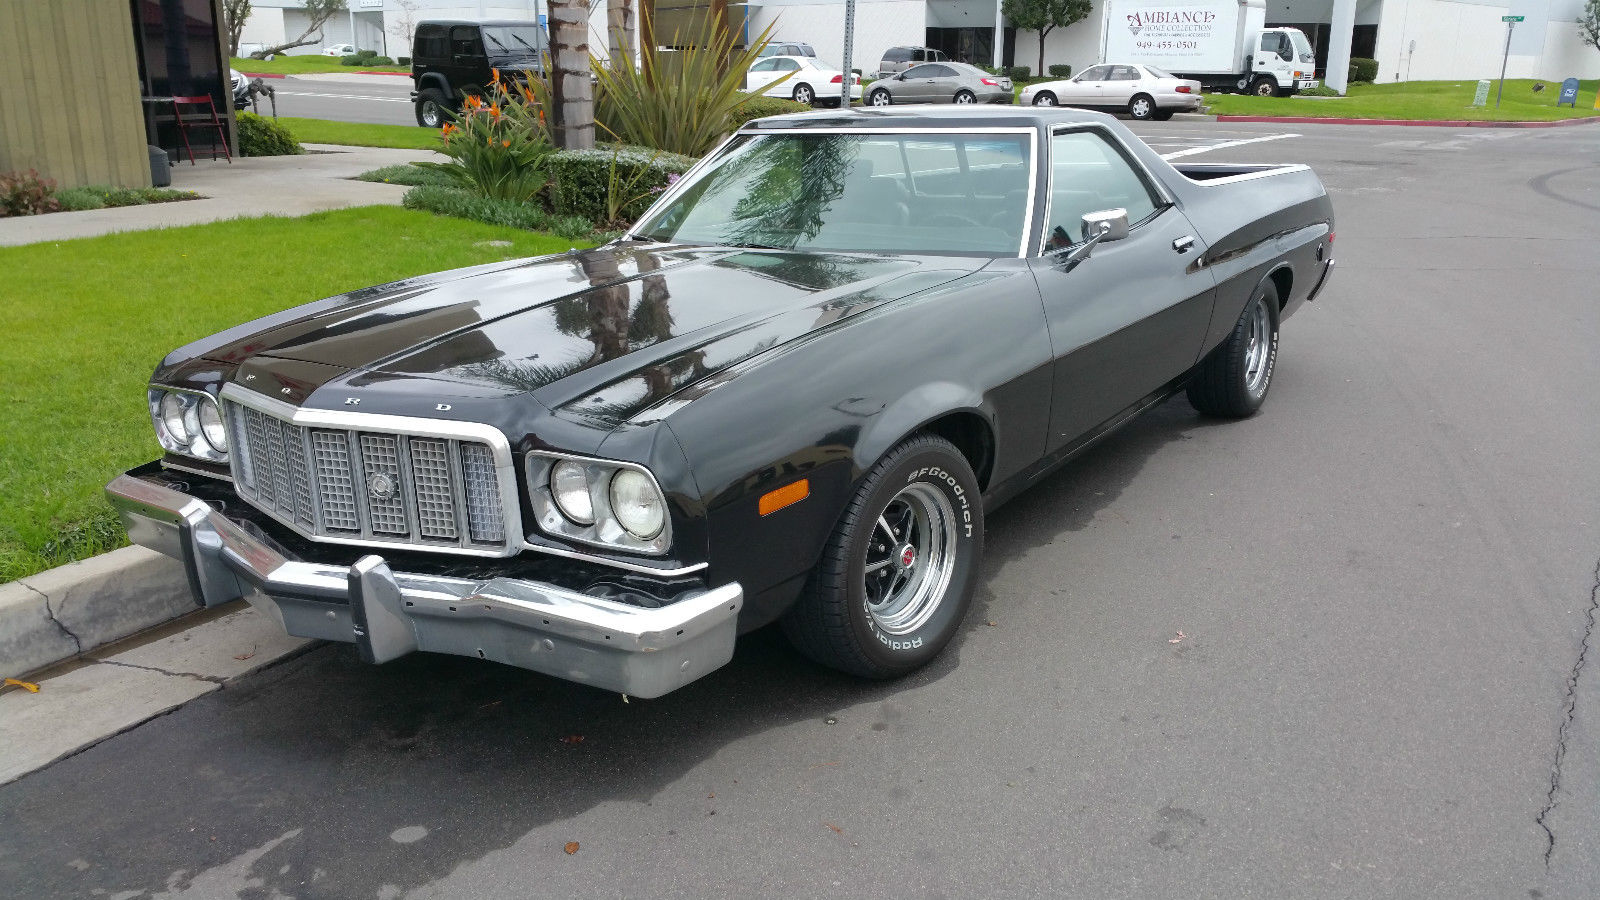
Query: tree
(1589, 24)
(234, 15)
(318, 12)
(404, 26)
(1043, 16)
(571, 91)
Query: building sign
(1183, 37)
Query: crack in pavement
(210, 679)
(51, 615)
(1569, 712)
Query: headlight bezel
(190, 438)
(606, 529)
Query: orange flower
(494, 110)
(506, 143)
(474, 102)
(496, 75)
(449, 129)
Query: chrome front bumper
(387, 614)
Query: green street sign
(1512, 18)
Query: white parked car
(810, 80)
(339, 50)
(1143, 92)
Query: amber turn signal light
(789, 494)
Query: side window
(766, 65)
(897, 54)
(939, 56)
(431, 42)
(937, 71)
(1124, 73)
(1271, 42)
(1089, 174)
(1095, 73)
(923, 71)
(788, 65)
(464, 41)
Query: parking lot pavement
(1334, 650)
(379, 99)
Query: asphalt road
(382, 99)
(1335, 650)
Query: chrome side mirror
(1105, 225)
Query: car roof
(935, 116)
(476, 22)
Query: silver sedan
(1143, 92)
(940, 82)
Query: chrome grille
(368, 485)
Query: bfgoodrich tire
(431, 109)
(896, 576)
(1232, 382)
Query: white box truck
(1223, 44)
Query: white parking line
(1226, 144)
(341, 96)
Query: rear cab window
(1089, 173)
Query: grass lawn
(360, 134)
(304, 65)
(98, 314)
(1419, 100)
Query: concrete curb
(1434, 123)
(72, 609)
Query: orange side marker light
(789, 494)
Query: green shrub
(1320, 90)
(1015, 73)
(378, 61)
(497, 146)
(402, 60)
(686, 104)
(26, 194)
(407, 174)
(463, 204)
(1060, 71)
(1363, 70)
(611, 185)
(366, 54)
(351, 60)
(758, 107)
(99, 196)
(260, 136)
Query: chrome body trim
(540, 463)
(615, 563)
(189, 470)
(407, 426)
(387, 614)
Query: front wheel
(1142, 107)
(880, 98)
(1162, 115)
(804, 94)
(896, 576)
(1265, 87)
(1044, 98)
(966, 97)
(431, 110)
(1232, 382)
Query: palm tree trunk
(569, 78)
(619, 31)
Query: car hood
(601, 333)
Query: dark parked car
(450, 59)
(791, 393)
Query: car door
(1132, 317)
(1119, 86)
(760, 74)
(917, 83)
(782, 66)
(1085, 89)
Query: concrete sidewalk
(253, 186)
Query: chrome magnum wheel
(896, 575)
(430, 109)
(1234, 379)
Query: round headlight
(569, 485)
(172, 418)
(211, 425)
(637, 504)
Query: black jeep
(453, 58)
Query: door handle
(1184, 244)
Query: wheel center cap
(908, 556)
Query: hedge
(1015, 73)
(259, 136)
(580, 179)
(463, 204)
(761, 107)
(1060, 71)
(1363, 69)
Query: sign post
(849, 41)
(1511, 24)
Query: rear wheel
(896, 576)
(1233, 380)
(1162, 115)
(1265, 86)
(1142, 107)
(431, 109)
(965, 97)
(1044, 98)
(804, 94)
(880, 98)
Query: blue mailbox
(1569, 93)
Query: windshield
(513, 41)
(934, 193)
(1302, 47)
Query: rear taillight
(838, 79)
(990, 82)
(1185, 89)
